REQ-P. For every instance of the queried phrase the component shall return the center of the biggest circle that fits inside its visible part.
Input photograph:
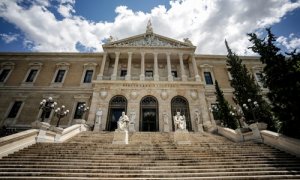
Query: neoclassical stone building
(149, 76)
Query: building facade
(150, 77)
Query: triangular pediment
(149, 40)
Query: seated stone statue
(123, 122)
(179, 122)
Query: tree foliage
(245, 88)
(283, 80)
(224, 109)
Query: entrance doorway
(117, 105)
(180, 104)
(149, 114)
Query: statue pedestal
(80, 121)
(97, 126)
(131, 127)
(166, 128)
(182, 137)
(120, 137)
(200, 128)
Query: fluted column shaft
(183, 75)
(197, 77)
(100, 75)
(128, 75)
(170, 77)
(142, 76)
(114, 75)
(156, 76)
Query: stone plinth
(80, 121)
(120, 137)
(200, 128)
(166, 128)
(182, 137)
(131, 127)
(40, 125)
(97, 126)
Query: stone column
(170, 77)
(114, 75)
(142, 76)
(128, 75)
(156, 75)
(183, 75)
(197, 77)
(100, 75)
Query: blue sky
(84, 25)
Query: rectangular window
(78, 113)
(4, 74)
(15, 109)
(60, 76)
(174, 74)
(123, 73)
(208, 78)
(149, 73)
(31, 75)
(88, 76)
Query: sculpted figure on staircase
(179, 122)
(123, 122)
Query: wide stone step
(135, 166)
(264, 177)
(146, 174)
(174, 170)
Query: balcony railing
(137, 78)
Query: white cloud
(206, 23)
(8, 38)
(290, 43)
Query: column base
(156, 77)
(127, 77)
(184, 78)
(99, 77)
(170, 78)
(142, 77)
(197, 77)
(113, 77)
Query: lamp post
(46, 106)
(60, 113)
(252, 106)
(82, 109)
(238, 113)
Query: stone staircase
(149, 156)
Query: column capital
(155, 53)
(180, 54)
(117, 53)
(130, 53)
(143, 53)
(168, 53)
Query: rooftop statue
(149, 29)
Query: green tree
(282, 77)
(245, 88)
(224, 109)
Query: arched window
(180, 104)
(149, 114)
(117, 105)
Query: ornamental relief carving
(103, 94)
(150, 41)
(164, 94)
(194, 94)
